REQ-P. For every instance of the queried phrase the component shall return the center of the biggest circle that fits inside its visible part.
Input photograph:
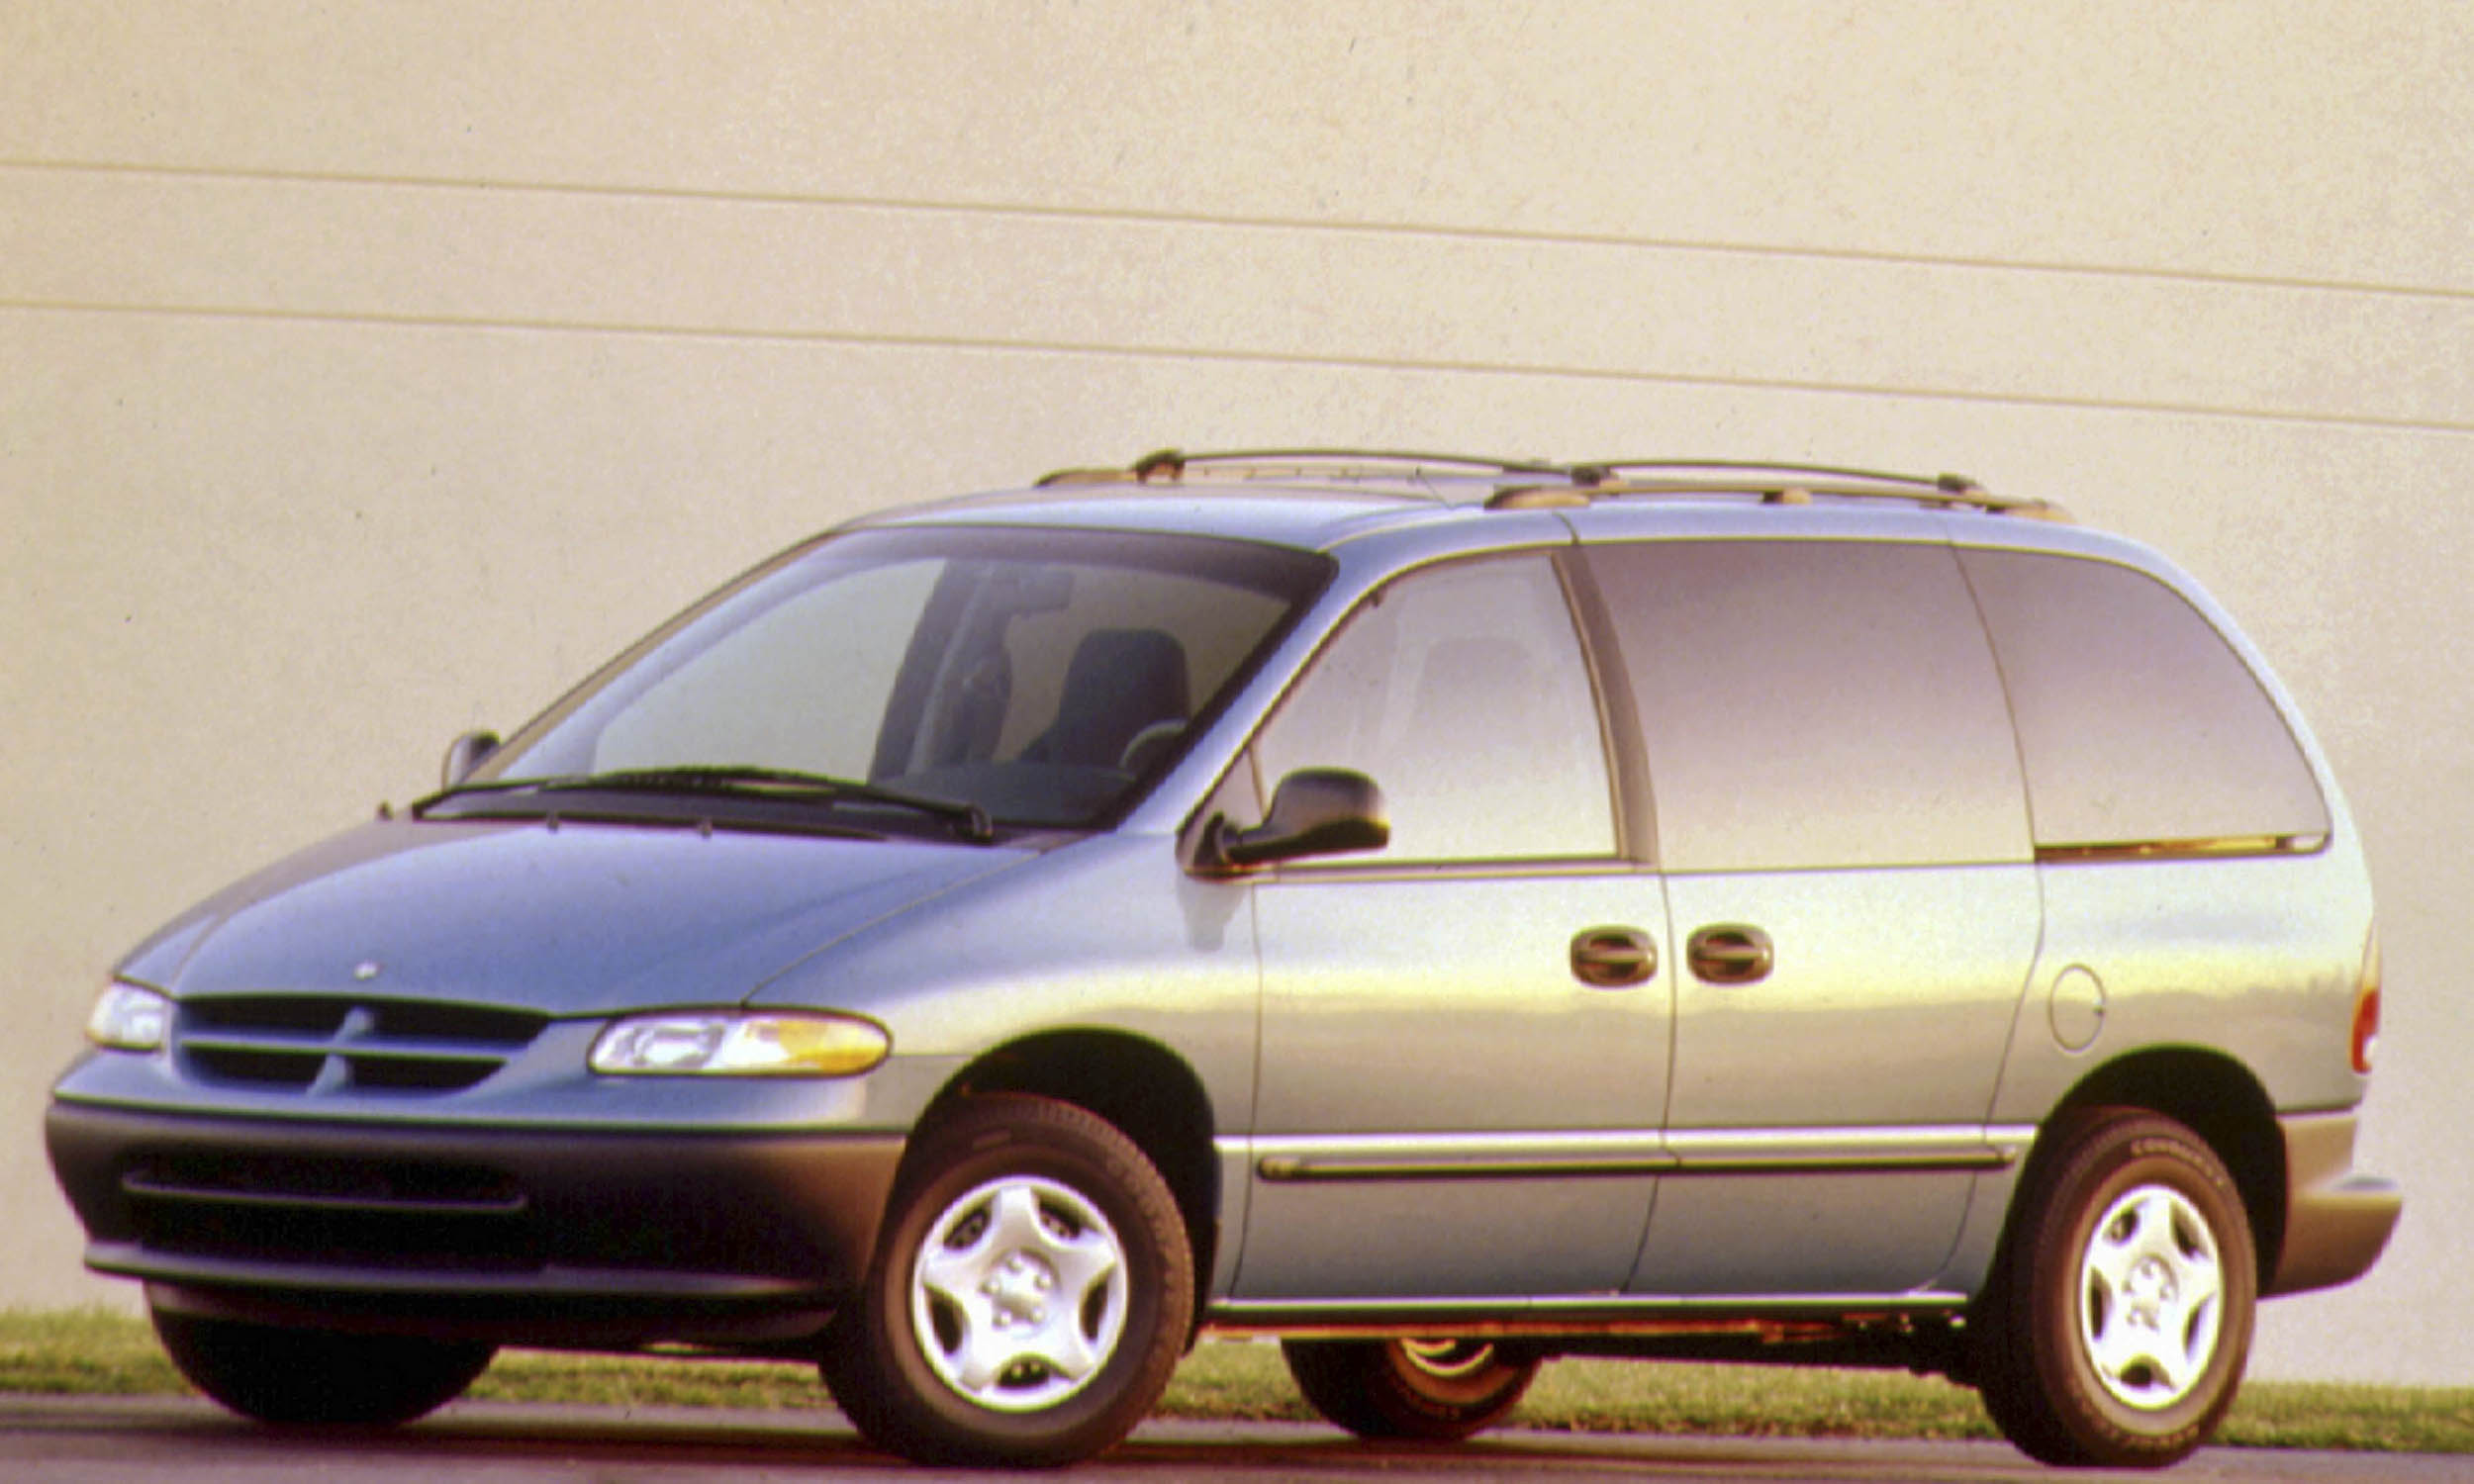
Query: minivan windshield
(1034, 677)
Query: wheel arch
(2216, 1098)
(1149, 1092)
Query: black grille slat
(339, 1236)
(401, 1214)
(402, 1181)
(400, 1073)
(277, 1069)
(143, 1189)
(275, 1014)
(316, 1044)
(481, 1025)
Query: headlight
(127, 1017)
(731, 1043)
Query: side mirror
(463, 755)
(1315, 811)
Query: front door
(1464, 1035)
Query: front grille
(314, 1044)
(402, 1214)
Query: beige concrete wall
(367, 371)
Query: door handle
(1612, 957)
(1730, 953)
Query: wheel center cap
(2150, 1289)
(1018, 1289)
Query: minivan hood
(579, 919)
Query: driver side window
(1462, 691)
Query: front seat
(1119, 681)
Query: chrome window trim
(1461, 868)
(2107, 852)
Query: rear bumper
(2336, 1221)
(537, 1236)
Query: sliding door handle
(1730, 953)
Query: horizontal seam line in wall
(1223, 355)
(1138, 217)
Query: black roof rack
(1534, 483)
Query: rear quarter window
(2139, 724)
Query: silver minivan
(1446, 913)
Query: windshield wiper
(969, 822)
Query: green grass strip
(97, 1352)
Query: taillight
(2366, 1010)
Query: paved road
(115, 1440)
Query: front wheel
(314, 1376)
(1423, 1390)
(1030, 1296)
(2119, 1316)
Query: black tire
(1022, 1231)
(1424, 1390)
(315, 1377)
(2119, 1320)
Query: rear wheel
(2117, 1327)
(314, 1376)
(1430, 1390)
(1030, 1297)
